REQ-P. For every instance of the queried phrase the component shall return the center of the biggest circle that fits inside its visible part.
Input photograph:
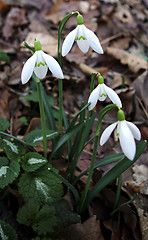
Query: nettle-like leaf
(41, 218)
(42, 185)
(35, 137)
(8, 171)
(7, 232)
(4, 124)
(65, 216)
(13, 149)
(32, 161)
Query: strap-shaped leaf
(32, 161)
(7, 232)
(67, 136)
(114, 173)
(42, 185)
(8, 171)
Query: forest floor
(122, 28)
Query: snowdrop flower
(84, 38)
(101, 92)
(126, 132)
(39, 63)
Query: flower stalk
(42, 115)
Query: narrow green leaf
(103, 162)
(102, 114)
(114, 173)
(4, 57)
(93, 76)
(17, 140)
(77, 115)
(66, 127)
(66, 136)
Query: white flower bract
(39, 63)
(84, 37)
(100, 93)
(126, 132)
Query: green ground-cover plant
(38, 183)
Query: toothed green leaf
(8, 171)
(42, 185)
(32, 161)
(4, 124)
(7, 232)
(13, 149)
(41, 219)
(35, 137)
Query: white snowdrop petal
(53, 66)
(127, 141)
(68, 42)
(107, 132)
(93, 40)
(41, 71)
(83, 45)
(113, 96)
(28, 68)
(81, 39)
(135, 131)
(93, 98)
(102, 94)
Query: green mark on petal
(81, 37)
(103, 94)
(39, 64)
(118, 134)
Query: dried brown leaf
(135, 63)
(49, 43)
(89, 230)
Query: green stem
(73, 165)
(60, 105)
(42, 115)
(84, 195)
(118, 192)
(83, 198)
(61, 26)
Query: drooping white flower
(39, 63)
(126, 132)
(101, 92)
(84, 37)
